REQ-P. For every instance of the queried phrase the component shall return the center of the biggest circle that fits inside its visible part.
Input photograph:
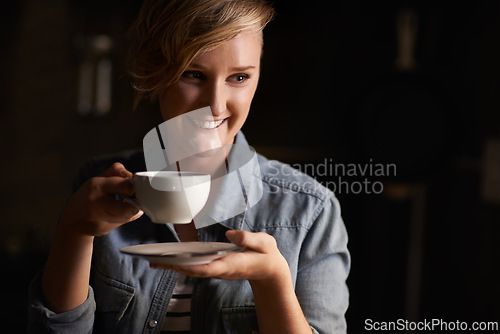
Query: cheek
(242, 99)
(178, 99)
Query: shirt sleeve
(324, 265)
(43, 320)
(81, 319)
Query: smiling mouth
(206, 125)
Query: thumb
(258, 241)
(117, 169)
(235, 236)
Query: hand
(93, 210)
(260, 261)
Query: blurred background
(415, 85)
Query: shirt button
(153, 323)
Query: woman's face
(225, 79)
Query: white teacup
(171, 196)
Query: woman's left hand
(259, 261)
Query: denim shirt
(127, 296)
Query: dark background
(426, 247)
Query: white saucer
(181, 253)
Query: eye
(194, 75)
(238, 78)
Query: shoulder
(291, 197)
(287, 178)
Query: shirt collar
(237, 191)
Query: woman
(291, 277)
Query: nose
(217, 98)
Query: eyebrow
(242, 68)
(234, 69)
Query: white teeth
(206, 124)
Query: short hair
(169, 34)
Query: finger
(232, 266)
(260, 242)
(116, 185)
(104, 190)
(201, 270)
(117, 169)
(120, 211)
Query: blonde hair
(169, 34)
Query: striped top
(178, 317)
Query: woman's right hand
(94, 210)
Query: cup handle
(128, 199)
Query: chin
(209, 153)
